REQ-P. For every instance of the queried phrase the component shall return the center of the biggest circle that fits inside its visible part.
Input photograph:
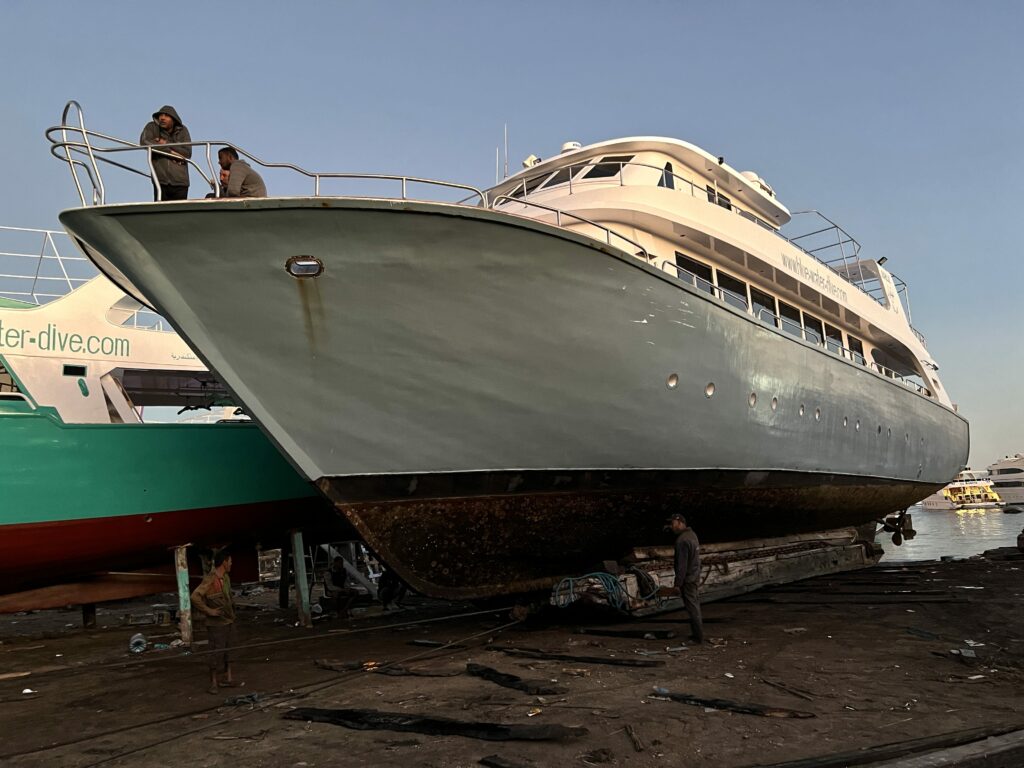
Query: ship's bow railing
(88, 153)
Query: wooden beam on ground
(101, 588)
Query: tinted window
(815, 332)
(532, 184)
(833, 338)
(856, 349)
(790, 318)
(694, 272)
(719, 198)
(608, 166)
(560, 177)
(667, 179)
(733, 291)
(764, 306)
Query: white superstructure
(1007, 477)
(651, 195)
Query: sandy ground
(868, 653)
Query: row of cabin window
(605, 168)
(763, 306)
(610, 166)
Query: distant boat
(87, 485)
(505, 390)
(1007, 476)
(972, 489)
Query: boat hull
(463, 381)
(87, 498)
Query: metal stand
(301, 583)
(184, 594)
(286, 578)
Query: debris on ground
(664, 694)
(532, 687)
(536, 653)
(370, 719)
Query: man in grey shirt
(170, 165)
(687, 573)
(243, 181)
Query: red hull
(37, 554)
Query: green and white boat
(87, 485)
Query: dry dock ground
(869, 654)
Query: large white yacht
(504, 390)
(1007, 476)
(972, 489)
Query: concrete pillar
(184, 594)
(89, 615)
(301, 584)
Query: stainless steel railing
(769, 318)
(36, 271)
(818, 243)
(45, 274)
(86, 150)
(559, 214)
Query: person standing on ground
(687, 573)
(337, 590)
(170, 165)
(243, 181)
(213, 598)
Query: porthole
(888, 432)
(879, 429)
(709, 390)
(857, 425)
(775, 403)
(846, 421)
(801, 409)
(304, 266)
(752, 399)
(673, 381)
(817, 414)
(906, 438)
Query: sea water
(956, 533)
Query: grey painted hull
(487, 398)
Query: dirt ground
(867, 653)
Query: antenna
(497, 166)
(506, 150)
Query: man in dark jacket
(243, 181)
(170, 166)
(687, 573)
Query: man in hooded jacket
(170, 166)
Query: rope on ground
(572, 588)
(127, 663)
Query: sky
(902, 121)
